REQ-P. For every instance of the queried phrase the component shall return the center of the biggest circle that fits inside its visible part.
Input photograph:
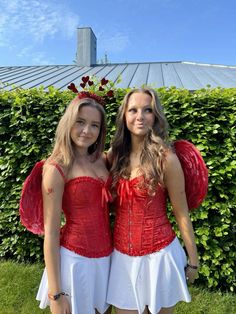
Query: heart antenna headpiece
(101, 93)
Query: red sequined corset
(87, 228)
(141, 225)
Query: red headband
(97, 98)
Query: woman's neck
(136, 146)
(81, 154)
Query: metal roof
(188, 75)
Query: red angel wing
(31, 201)
(195, 172)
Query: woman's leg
(167, 310)
(108, 311)
(120, 311)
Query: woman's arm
(52, 189)
(174, 181)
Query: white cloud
(113, 43)
(34, 18)
(40, 59)
(24, 52)
(32, 21)
(37, 57)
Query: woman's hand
(60, 306)
(191, 273)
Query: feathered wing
(195, 172)
(31, 201)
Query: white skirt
(84, 279)
(156, 280)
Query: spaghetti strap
(59, 169)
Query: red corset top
(141, 225)
(87, 228)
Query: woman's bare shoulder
(172, 163)
(171, 157)
(53, 171)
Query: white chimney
(86, 47)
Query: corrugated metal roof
(189, 75)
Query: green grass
(19, 285)
(18, 288)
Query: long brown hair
(63, 150)
(154, 145)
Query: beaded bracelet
(56, 296)
(192, 266)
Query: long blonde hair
(154, 144)
(63, 150)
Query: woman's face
(139, 114)
(86, 129)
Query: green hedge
(28, 119)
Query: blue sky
(39, 32)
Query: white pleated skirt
(84, 279)
(156, 280)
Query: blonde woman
(75, 181)
(149, 270)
